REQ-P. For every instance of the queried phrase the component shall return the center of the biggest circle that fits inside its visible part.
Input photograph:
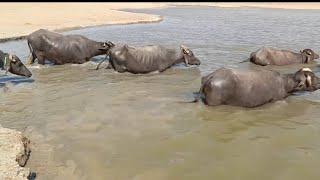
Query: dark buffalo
(60, 49)
(253, 88)
(11, 63)
(148, 58)
(271, 56)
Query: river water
(87, 124)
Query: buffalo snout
(197, 62)
(193, 61)
(17, 67)
(307, 80)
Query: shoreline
(23, 37)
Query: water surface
(87, 124)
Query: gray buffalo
(60, 49)
(271, 56)
(252, 88)
(149, 58)
(11, 63)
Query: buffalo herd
(225, 86)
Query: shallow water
(87, 124)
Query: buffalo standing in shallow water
(11, 63)
(254, 87)
(271, 56)
(61, 49)
(148, 58)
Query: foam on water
(39, 66)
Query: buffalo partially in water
(271, 56)
(251, 88)
(60, 49)
(11, 63)
(148, 58)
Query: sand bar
(20, 19)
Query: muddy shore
(14, 154)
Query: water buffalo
(252, 88)
(60, 49)
(11, 63)
(271, 56)
(149, 58)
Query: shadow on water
(15, 80)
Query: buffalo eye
(187, 52)
(184, 51)
(301, 84)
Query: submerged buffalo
(60, 49)
(254, 87)
(271, 56)
(148, 58)
(11, 63)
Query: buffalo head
(188, 56)
(306, 80)
(311, 55)
(106, 46)
(14, 65)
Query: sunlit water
(87, 124)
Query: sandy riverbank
(20, 19)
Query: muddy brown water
(87, 124)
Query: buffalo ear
(12, 59)
(308, 52)
(126, 47)
(110, 44)
(184, 49)
(183, 46)
(306, 69)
